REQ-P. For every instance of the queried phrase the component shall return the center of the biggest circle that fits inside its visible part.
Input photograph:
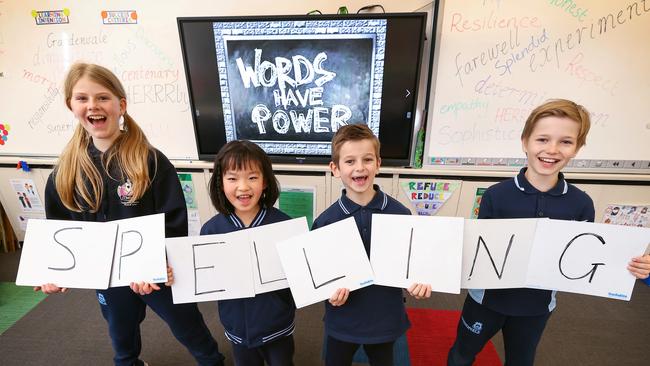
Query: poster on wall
(298, 202)
(24, 218)
(27, 195)
(193, 217)
(627, 215)
(477, 202)
(427, 197)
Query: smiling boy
(373, 316)
(553, 134)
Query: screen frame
(405, 160)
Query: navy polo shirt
(516, 198)
(373, 314)
(254, 321)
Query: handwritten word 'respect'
(286, 76)
(577, 69)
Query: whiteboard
(144, 53)
(499, 59)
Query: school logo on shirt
(125, 192)
(476, 328)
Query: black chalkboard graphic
(298, 90)
(289, 86)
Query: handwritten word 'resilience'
(461, 24)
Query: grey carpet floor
(68, 329)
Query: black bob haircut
(238, 155)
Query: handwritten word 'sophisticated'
(286, 76)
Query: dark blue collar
(561, 188)
(378, 202)
(257, 221)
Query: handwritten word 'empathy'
(287, 75)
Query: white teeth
(546, 160)
(96, 117)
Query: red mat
(431, 335)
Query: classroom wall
(175, 135)
(497, 60)
(328, 189)
(145, 54)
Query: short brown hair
(353, 132)
(237, 155)
(560, 108)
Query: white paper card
(211, 267)
(319, 262)
(496, 252)
(267, 269)
(417, 249)
(140, 251)
(74, 254)
(586, 258)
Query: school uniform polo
(255, 321)
(373, 314)
(517, 198)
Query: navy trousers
(124, 310)
(339, 353)
(478, 325)
(276, 353)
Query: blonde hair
(77, 180)
(560, 108)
